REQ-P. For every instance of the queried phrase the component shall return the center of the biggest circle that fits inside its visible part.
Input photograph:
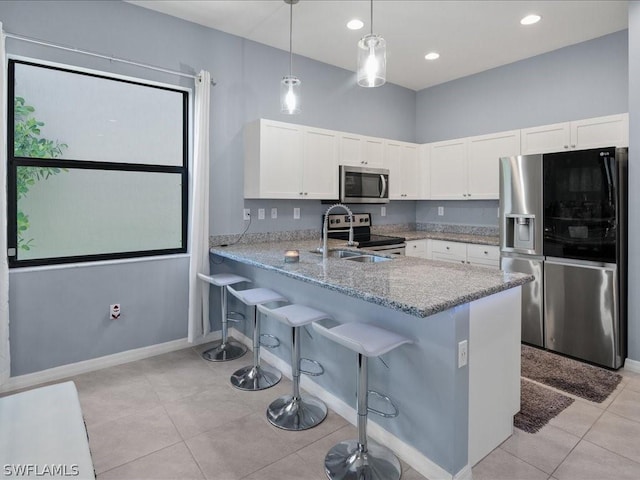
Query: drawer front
(416, 248)
(484, 262)
(454, 249)
(483, 252)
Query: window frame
(14, 162)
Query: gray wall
(248, 76)
(634, 179)
(580, 81)
(459, 212)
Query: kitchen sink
(368, 258)
(338, 253)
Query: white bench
(42, 435)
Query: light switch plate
(296, 213)
(246, 214)
(274, 213)
(261, 214)
(440, 211)
(383, 211)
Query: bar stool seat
(362, 459)
(255, 377)
(295, 412)
(227, 348)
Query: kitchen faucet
(325, 228)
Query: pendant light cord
(371, 17)
(291, 38)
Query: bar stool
(296, 412)
(255, 377)
(359, 459)
(228, 348)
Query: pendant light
(372, 59)
(290, 85)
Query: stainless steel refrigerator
(564, 219)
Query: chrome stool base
(223, 352)
(345, 461)
(299, 413)
(255, 378)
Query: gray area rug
(538, 405)
(571, 376)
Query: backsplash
(463, 229)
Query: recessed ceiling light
(355, 24)
(530, 19)
(432, 56)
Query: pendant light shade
(290, 84)
(372, 59)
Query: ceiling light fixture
(432, 56)
(372, 59)
(530, 19)
(290, 85)
(355, 24)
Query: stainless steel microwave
(364, 185)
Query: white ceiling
(471, 36)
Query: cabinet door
(610, 131)
(416, 248)
(449, 251)
(483, 255)
(410, 172)
(281, 155)
(351, 150)
(546, 138)
(424, 167)
(448, 170)
(483, 164)
(373, 152)
(320, 168)
(403, 163)
(393, 161)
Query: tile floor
(175, 416)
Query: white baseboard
(64, 371)
(420, 463)
(632, 365)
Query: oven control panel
(340, 221)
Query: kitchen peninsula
(452, 413)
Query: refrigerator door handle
(567, 262)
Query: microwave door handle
(384, 187)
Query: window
(97, 167)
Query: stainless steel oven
(364, 185)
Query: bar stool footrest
(311, 373)
(272, 338)
(386, 399)
(235, 317)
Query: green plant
(27, 142)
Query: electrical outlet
(114, 311)
(296, 213)
(440, 211)
(261, 214)
(274, 213)
(246, 214)
(383, 211)
(463, 353)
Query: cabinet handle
(468, 261)
(468, 194)
(447, 248)
(573, 146)
(306, 193)
(462, 261)
(566, 146)
(486, 253)
(300, 193)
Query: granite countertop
(412, 285)
(451, 237)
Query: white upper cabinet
(448, 170)
(360, 150)
(612, 130)
(320, 167)
(290, 161)
(402, 159)
(483, 164)
(424, 171)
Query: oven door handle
(384, 186)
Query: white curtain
(4, 267)
(199, 235)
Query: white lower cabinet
(417, 248)
(457, 252)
